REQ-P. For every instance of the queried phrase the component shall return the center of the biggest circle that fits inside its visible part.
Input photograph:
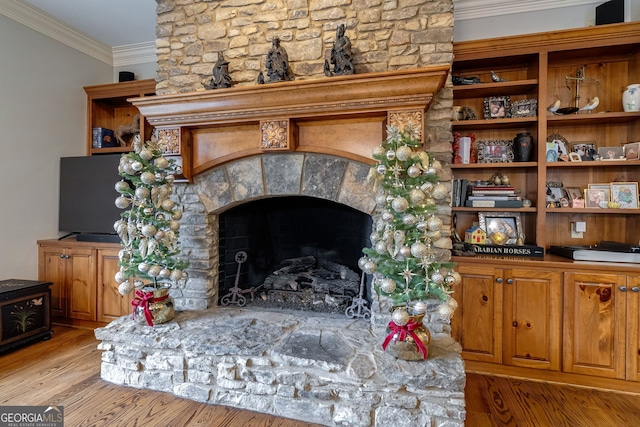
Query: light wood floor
(65, 371)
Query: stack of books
(493, 196)
(459, 191)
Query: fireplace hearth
(317, 367)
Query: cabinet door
(532, 318)
(111, 304)
(594, 324)
(633, 328)
(52, 268)
(477, 323)
(81, 282)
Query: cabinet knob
(635, 289)
(514, 324)
(62, 256)
(510, 281)
(499, 280)
(623, 288)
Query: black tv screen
(87, 196)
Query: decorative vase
(631, 98)
(409, 341)
(522, 147)
(153, 305)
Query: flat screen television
(87, 197)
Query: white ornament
(142, 192)
(154, 270)
(362, 261)
(177, 275)
(122, 186)
(164, 273)
(446, 311)
(409, 219)
(137, 166)
(125, 288)
(380, 247)
(143, 266)
(120, 276)
(148, 230)
(434, 223)
(146, 154)
(161, 162)
(122, 202)
(379, 151)
(147, 178)
(437, 277)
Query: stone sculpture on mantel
(221, 77)
(277, 64)
(340, 55)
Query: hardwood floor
(65, 371)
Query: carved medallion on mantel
(344, 116)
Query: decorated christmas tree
(402, 258)
(149, 230)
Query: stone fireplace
(310, 139)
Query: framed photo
(497, 107)
(557, 148)
(524, 108)
(555, 195)
(495, 151)
(573, 193)
(632, 151)
(611, 153)
(505, 222)
(596, 198)
(625, 193)
(585, 150)
(575, 157)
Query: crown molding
(56, 29)
(132, 54)
(474, 9)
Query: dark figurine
(260, 78)
(457, 80)
(221, 77)
(340, 55)
(277, 63)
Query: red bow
(404, 331)
(143, 299)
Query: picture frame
(556, 148)
(611, 153)
(524, 108)
(497, 107)
(625, 193)
(574, 193)
(575, 157)
(631, 151)
(596, 198)
(506, 222)
(495, 151)
(585, 150)
(555, 194)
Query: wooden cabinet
(633, 328)
(107, 107)
(545, 67)
(82, 274)
(511, 316)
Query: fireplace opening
(292, 253)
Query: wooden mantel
(344, 116)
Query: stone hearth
(307, 138)
(321, 369)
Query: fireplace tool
(359, 306)
(235, 295)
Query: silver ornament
(418, 308)
(374, 237)
(417, 196)
(380, 247)
(419, 249)
(440, 191)
(400, 316)
(122, 202)
(387, 285)
(370, 267)
(164, 273)
(391, 155)
(143, 266)
(362, 261)
(381, 199)
(409, 219)
(403, 153)
(414, 171)
(137, 166)
(405, 251)
(434, 223)
(154, 270)
(446, 311)
(437, 277)
(149, 230)
(176, 275)
(381, 169)
(146, 154)
(142, 192)
(120, 277)
(387, 216)
(161, 162)
(400, 204)
(449, 280)
(379, 151)
(422, 226)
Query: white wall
(470, 27)
(42, 117)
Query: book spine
(508, 250)
(493, 203)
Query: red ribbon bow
(143, 299)
(404, 331)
